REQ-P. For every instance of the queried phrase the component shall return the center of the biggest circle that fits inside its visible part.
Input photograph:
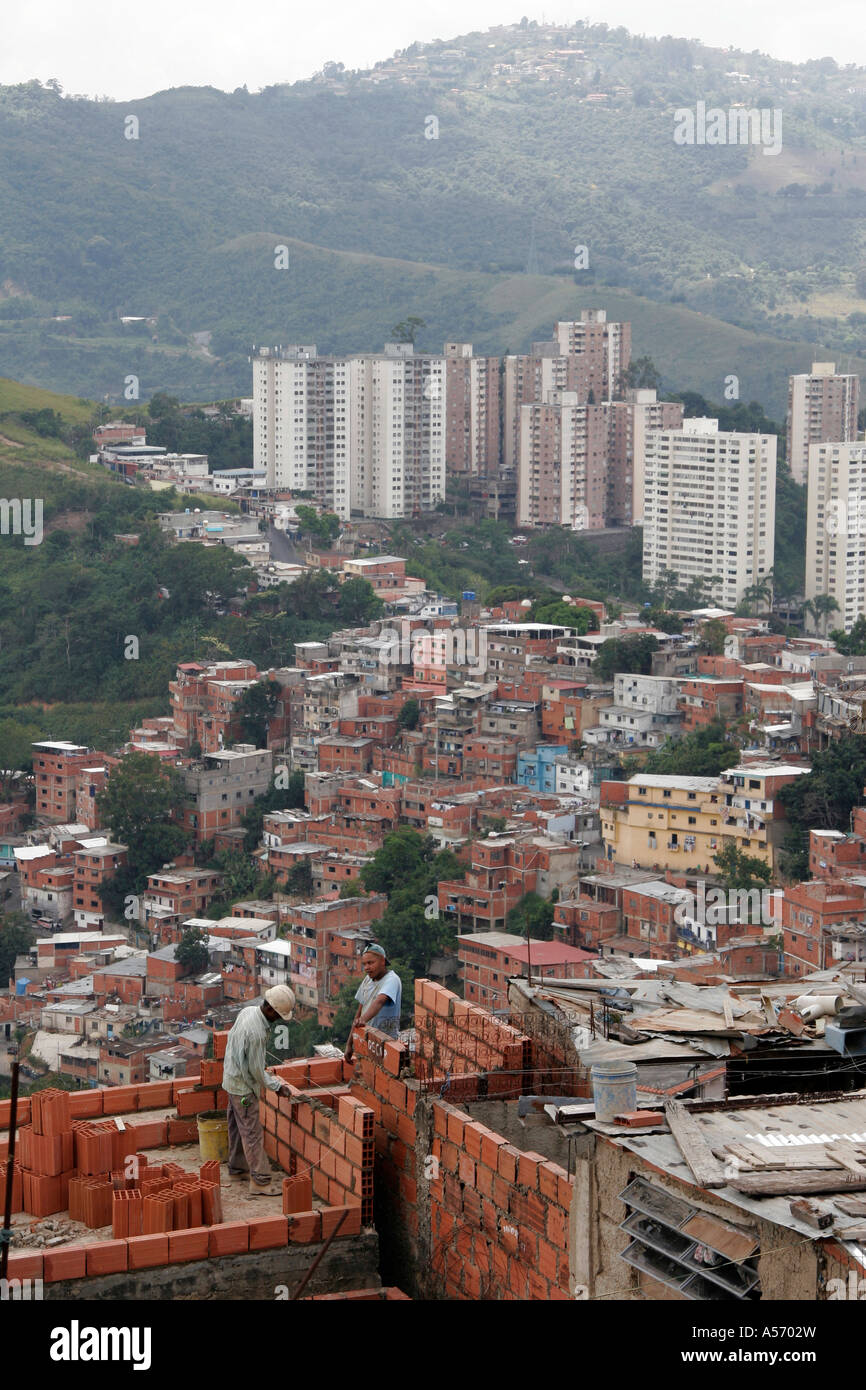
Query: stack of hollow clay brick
(46, 1154)
(166, 1198)
(113, 1179)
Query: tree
(299, 880)
(242, 876)
(322, 529)
(625, 654)
(756, 595)
(277, 798)
(409, 715)
(741, 872)
(357, 602)
(712, 636)
(346, 1008)
(191, 951)
(352, 888)
(664, 588)
(824, 798)
(140, 804)
(16, 751)
(703, 753)
(821, 606)
(851, 643)
(561, 614)
(16, 938)
(256, 708)
(664, 621)
(407, 331)
(407, 868)
(532, 916)
(641, 373)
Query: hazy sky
(127, 50)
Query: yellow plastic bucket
(213, 1136)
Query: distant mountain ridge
(430, 185)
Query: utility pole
(6, 1232)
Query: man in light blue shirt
(379, 996)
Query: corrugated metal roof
(820, 1122)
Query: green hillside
(728, 261)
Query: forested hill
(727, 260)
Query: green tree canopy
(357, 603)
(409, 715)
(532, 916)
(191, 951)
(625, 654)
(16, 938)
(702, 753)
(139, 804)
(257, 707)
(824, 798)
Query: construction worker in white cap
(244, 1076)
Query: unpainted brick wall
(453, 1036)
(461, 1213)
(328, 1134)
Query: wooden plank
(811, 1213)
(803, 1181)
(727, 1240)
(755, 1156)
(769, 1009)
(845, 1154)
(729, 1013)
(741, 1154)
(706, 1169)
(852, 1206)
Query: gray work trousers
(247, 1140)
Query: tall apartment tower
(528, 377)
(822, 409)
(561, 476)
(836, 529)
(301, 423)
(709, 506)
(473, 430)
(628, 422)
(586, 355)
(607, 346)
(397, 430)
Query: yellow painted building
(680, 823)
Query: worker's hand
(285, 1090)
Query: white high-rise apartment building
(836, 530)
(397, 431)
(822, 408)
(363, 433)
(301, 423)
(709, 506)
